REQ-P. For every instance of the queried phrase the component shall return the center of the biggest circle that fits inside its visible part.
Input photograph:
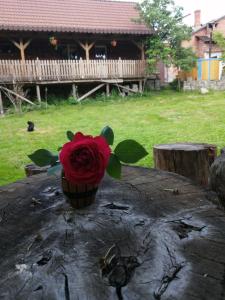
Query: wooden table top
(164, 238)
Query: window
(213, 55)
(73, 52)
(100, 52)
(68, 51)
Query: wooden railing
(69, 70)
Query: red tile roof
(89, 16)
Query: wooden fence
(207, 69)
(185, 75)
(69, 70)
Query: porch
(61, 71)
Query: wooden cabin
(54, 41)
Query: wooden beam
(11, 99)
(112, 80)
(38, 91)
(26, 44)
(22, 47)
(87, 47)
(16, 44)
(91, 92)
(1, 104)
(125, 88)
(17, 95)
(141, 47)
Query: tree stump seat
(152, 235)
(32, 169)
(192, 160)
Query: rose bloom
(85, 159)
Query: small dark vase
(78, 195)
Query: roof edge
(203, 26)
(74, 30)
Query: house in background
(71, 41)
(201, 40)
(209, 65)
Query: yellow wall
(215, 70)
(205, 70)
(213, 66)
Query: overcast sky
(211, 9)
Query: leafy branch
(165, 20)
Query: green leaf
(70, 135)
(114, 167)
(130, 151)
(43, 157)
(108, 134)
(55, 169)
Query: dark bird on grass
(30, 126)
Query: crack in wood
(167, 279)
(40, 287)
(169, 276)
(119, 293)
(66, 288)
(183, 229)
(47, 256)
(222, 282)
(3, 217)
(115, 206)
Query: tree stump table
(192, 160)
(153, 235)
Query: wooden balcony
(40, 71)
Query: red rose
(85, 159)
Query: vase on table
(78, 195)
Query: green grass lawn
(160, 117)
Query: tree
(165, 19)
(219, 39)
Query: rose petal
(91, 161)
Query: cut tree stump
(32, 169)
(140, 240)
(217, 177)
(191, 160)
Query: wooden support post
(74, 91)
(125, 88)
(22, 47)
(1, 104)
(142, 53)
(107, 90)
(4, 89)
(38, 93)
(91, 92)
(187, 159)
(141, 47)
(140, 86)
(87, 47)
